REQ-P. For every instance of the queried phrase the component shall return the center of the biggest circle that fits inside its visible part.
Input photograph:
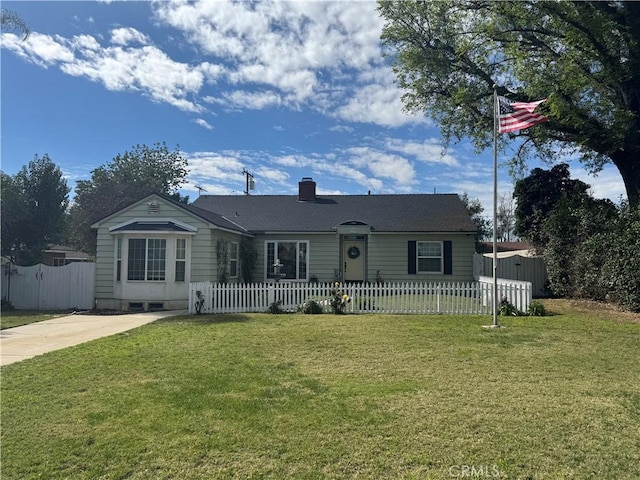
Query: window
(293, 256)
(119, 260)
(181, 259)
(233, 260)
(156, 254)
(147, 259)
(429, 257)
(59, 262)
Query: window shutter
(448, 257)
(411, 257)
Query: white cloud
(293, 161)
(147, 69)
(301, 49)
(385, 165)
(126, 36)
(43, 50)
(85, 42)
(252, 100)
(212, 72)
(220, 165)
(378, 104)
(203, 123)
(272, 174)
(342, 128)
(429, 151)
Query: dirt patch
(590, 307)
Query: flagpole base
(492, 327)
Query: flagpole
(496, 112)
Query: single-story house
(148, 252)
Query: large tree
(127, 178)
(34, 204)
(583, 56)
(538, 195)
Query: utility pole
(250, 183)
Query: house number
(353, 252)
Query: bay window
(147, 259)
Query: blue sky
(285, 90)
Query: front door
(353, 255)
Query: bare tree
(12, 22)
(505, 217)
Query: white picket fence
(470, 298)
(42, 287)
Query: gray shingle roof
(384, 213)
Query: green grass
(324, 396)
(15, 318)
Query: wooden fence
(471, 298)
(42, 287)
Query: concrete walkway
(27, 341)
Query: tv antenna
(249, 181)
(200, 189)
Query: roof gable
(154, 202)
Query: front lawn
(15, 318)
(326, 396)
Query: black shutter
(448, 257)
(411, 257)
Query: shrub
(312, 307)
(507, 309)
(537, 309)
(7, 305)
(339, 299)
(623, 266)
(275, 307)
(199, 302)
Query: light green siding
(226, 238)
(385, 252)
(389, 253)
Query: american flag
(518, 115)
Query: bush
(275, 307)
(536, 309)
(622, 270)
(312, 307)
(508, 309)
(339, 299)
(7, 305)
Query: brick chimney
(307, 190)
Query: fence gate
(42, 287)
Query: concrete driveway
(27, 341)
